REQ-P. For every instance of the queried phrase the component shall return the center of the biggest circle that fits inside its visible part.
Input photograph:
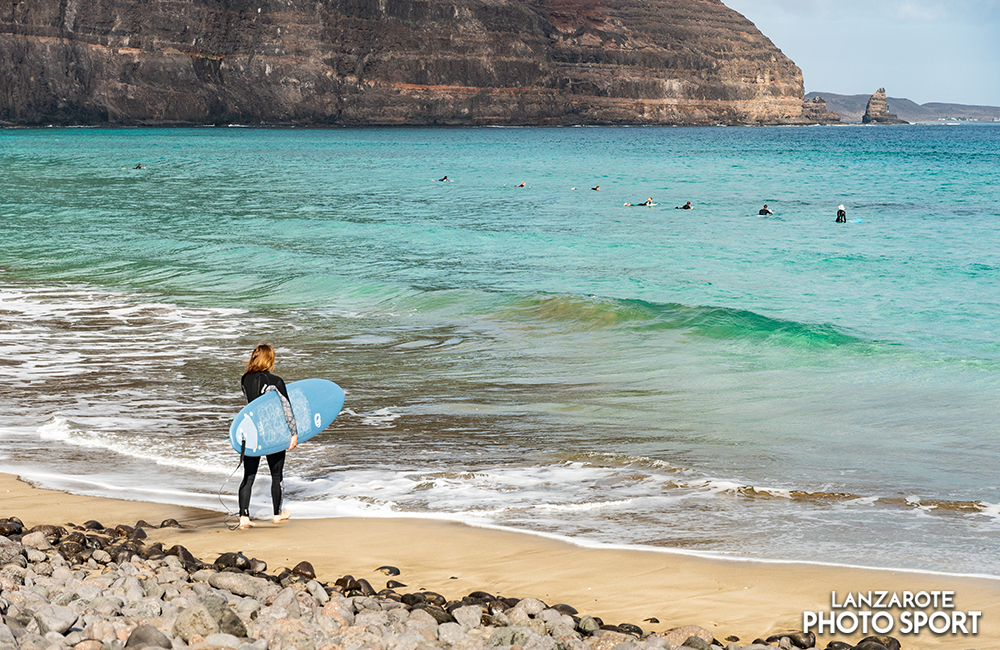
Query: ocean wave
(710, 322)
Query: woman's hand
(295, 442)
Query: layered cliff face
(390, 62)
(815, 110)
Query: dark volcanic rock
(413, 62)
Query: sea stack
(815, 110)
(877, 111)
(407, 62)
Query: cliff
(877, 110)
(417, 62)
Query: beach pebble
(9, 550)
(143, 609)
(55, 618)
(147, 636)
(37, 540)
(239, 583)
(508, 636)
(339, 611)
(869, 644)
(287, 601)
(317, 591)
(6, 636)
(11, 526)
(891, 643)
(193, 620)
(220, 639)
(232, 560)
(305, 569)
(679, 635)
(451, 633)
(469, 616)
(421, 618)
(531, 606)
(588, 625)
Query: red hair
(261, 359)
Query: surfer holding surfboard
(277, 419)
(256, 381)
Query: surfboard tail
(246, 433)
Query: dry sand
(746, 599)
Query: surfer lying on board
(256, 381)
(647, 202)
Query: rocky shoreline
(91, 587)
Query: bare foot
(283, 515)
(245, 523)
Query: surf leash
(230, 515)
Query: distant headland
(851, 109)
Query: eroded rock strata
(416, 62)
(877, 111)
(815, 110)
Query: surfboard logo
(317, 419)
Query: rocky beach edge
(189, 581)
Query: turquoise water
(539, 357)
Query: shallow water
(542, 357)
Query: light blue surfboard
(261, 423)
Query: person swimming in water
(444, 180)
(596, 189)
(765, 211)
(686, 206)
(841, 214)
(647, 202)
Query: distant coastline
(852, 107)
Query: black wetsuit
(254, 385)
(841, 216)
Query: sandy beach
(745, 599)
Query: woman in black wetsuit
(256, 381)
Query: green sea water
(540, 357)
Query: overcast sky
(924, 50)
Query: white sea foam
(59, 429)
(381, 418)
(593, 505)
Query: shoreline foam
(745, 599)
(583, 543)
